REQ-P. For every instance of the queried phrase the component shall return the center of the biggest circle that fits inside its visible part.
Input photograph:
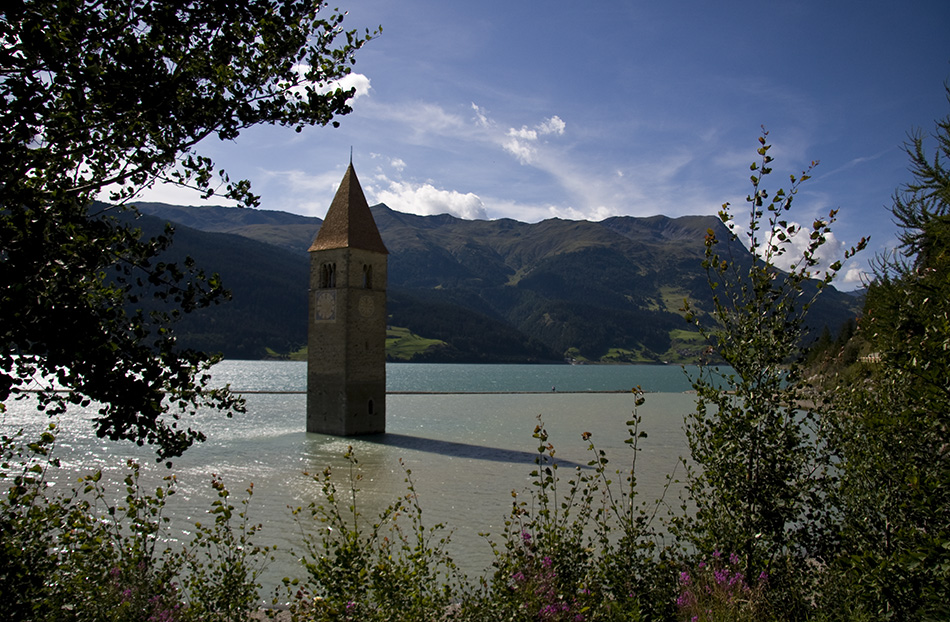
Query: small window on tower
(367, 276)
(328, 275)
(370, 408)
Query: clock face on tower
(326, 306)
(367, 306)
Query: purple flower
(734, 559)
(163, 616)
(685, 599)
(550, 612)
(684, 578)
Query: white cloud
(350, 81)
(427, 200)
(830, 251)
(353, 81)
(849, 277)
(497, 207)
(172, 194)
(424, 121)
(398, 164)
(521, 143)
(523, 134)
(853, 278)
(433, 126)
(554, 125)
(481, 117)
(518, 148)
(504, 208)
(580, 186)
(854, 162)
(570, 213)
(297, 191)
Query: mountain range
(468, 290)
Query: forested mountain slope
(491, 291)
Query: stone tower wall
(346, 372)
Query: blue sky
(584, 110)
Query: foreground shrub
(384, 570)
(717, 590)
(891, 429)
(74, 555)
(581, 549)
(761, 470)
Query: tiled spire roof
(349, 222)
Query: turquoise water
(653, 378)
(403, 377)
(467, 452)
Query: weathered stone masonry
(346, 365)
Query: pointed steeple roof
(349, 222)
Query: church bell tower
(346, 364)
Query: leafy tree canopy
(923, 202)
(107, 98)
(892, 436)
(757, 475)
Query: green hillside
(269, 297)
(475, 291)
(403, 345)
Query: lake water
(467, 449)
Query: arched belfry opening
(327, 275)
(346, 364)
